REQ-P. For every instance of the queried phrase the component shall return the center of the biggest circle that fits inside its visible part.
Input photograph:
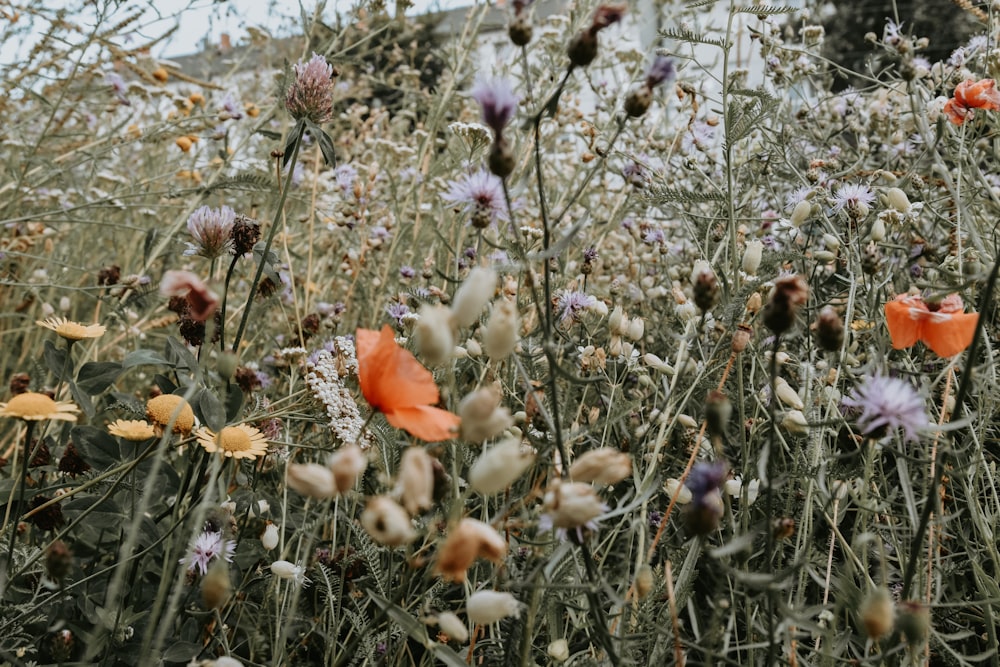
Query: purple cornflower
(118, 86)
(660, 71)
(498, 101)
(480, 195)
(397, 311)
(406, 271)
(706, 507)
(571, 305)
(590, 254)
(856, 198)
(886, 404)
(310, 96)
(654, 236)
(207, 547)
(380, 233)
(212, 229)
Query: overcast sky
(201, 18)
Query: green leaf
(234, 402)
(325, 145)
(97, 447)
(143, 358)
(294, 136)
(210, 410)
(165, 384)
(82, 399)
(96, 376)
(180, 356)
(181, 652)
(55, 359)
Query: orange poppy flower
(395, 384)
(942, 326)
(972, 95)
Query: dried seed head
(829, 329)
(788, 295)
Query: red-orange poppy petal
(425, 422)
(956, 112)
(947, 336)
(390, 377)
(904, 329)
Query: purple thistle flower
(345, 175)
(231, 108)
(854, 197)
(212, 229)
(886, 404)
(310, 96)
(661, 71)
(480, 195)
(707, 507)
(406, 271)
(397, 311)
(571, 305)
(498, 101)
(207, 547)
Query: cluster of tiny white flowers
(324, 379)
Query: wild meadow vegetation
(367, 352)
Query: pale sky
(201, 18)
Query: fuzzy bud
(705, 287)
(788, 396)
(638, 101)
(269, 538)
(878, 614)
(674, 487)
(501, 159)
(558, 650)
(347, 465)
(468, 540)
(473, 295)
(501, 334)
(572, 504)
(482, 416)
(795, 422)
(601, 466)
(387, 523)
(718, 411)
(216, 586)
(486, 607)
(520, 31)
(499, 466)
(453, 626)
(898, 200)
(416, 480)
(434, 336)
(741, 338)
(644, 581)
(312, 479)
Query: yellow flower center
(234, 439)
(162, 408)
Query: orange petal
(956, 112)
(949, 336)
(903, 328)
(424, 422)
(390, 377)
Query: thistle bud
(501, 159)
(520, 31)
(829, 329)
(705, 287)
(914, 620)
(58, 560)
(718, 411)
(638, 101)
(788, 295)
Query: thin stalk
(276, 222)
(29, 429)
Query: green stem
(16, 516)
(299, 130)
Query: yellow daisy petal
(240, 441)
(134, 430)
(72, 330)
(32, 406)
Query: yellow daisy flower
(159, 410)
(133, 430)
(240, 441)
(32, 406)
(72, 330)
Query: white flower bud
(225, 661)
(433, 332)
(482, 416)
(499, 466)
(311, 479)
(752, 256)
(473, 295)
(877, 232)
(636, 328)
(453, 626)
(786, 394)
(474, 349)
(601, 466)
(500, 336)
(700, 267)
(289, 571)
(269, 539)
(657, 364)
(486, 607)
(416, 479)
(599, 308)
(468, 540)
(795, 422)
(801, 213)
(898, 200)
(671, 486)
(831, 242)
(753, 490)
(733, 487)
(65, 304)
(615, 321)
(387, 522)
(559, 650)
(572, 504)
